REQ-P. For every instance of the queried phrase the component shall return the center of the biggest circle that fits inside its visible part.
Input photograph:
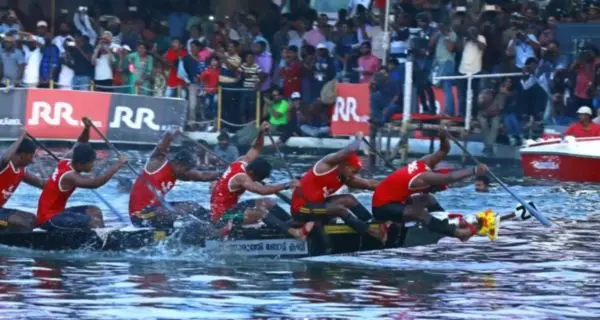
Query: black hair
(196, 43)
(366, 44)
(26, 146)
(293, 48)
(261, 43)
(185, 158)
(484, 179)
(260, 169)
(222, 136)
(83, 153)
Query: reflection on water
(531, 272)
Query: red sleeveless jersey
(141, 197)
(315, 187)
(396, 187)
(10, 177)
(222, 197)
(53, 199)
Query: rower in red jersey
(12, 171)
(53, 214)
(162, 173)
(244, 175)
(312, 202)
(405, 195)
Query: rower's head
(482, 184)
(351, 166)
(83, 158)
(24, 155)
(259, 169)
(183, 162)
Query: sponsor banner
(573, 36)
(57, 114)
(267, 247)
(12, 113)
(351, 110)
(142, 119)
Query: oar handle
(529, 208)
(50, 153)
(281, 155)
(158, 196)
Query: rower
(12, 171)
(161, 173)
(52, 214)
(405, 195)
(482, 184)
(244, 175)
(312, 202)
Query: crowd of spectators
(288, 63)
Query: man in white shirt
(103, 59)
(471, 63)
(33, 59)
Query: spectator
(278, 111)
(319, 34)
(64, 33)
(83, 69)
(219, 35)
(584, 127)
(313, 121)
(375, 34)
(281, 39)
(264, 59)
(308, 66)
(66, 74)
(491, 104)
(171, 58)
(82, 22)
(13, 62)
(296, 35)
(510, 114)
(532, 97)
(444, 42)
(471, 63)
(11, 23)
(523, 45)
(210, 83)
(193, 67)
(258, 37)
(345, 59)
(195, 35)
(177, 19)
(33, 60)
(228, 80)
(324, 70)
(103, 59)
(386, 97)
(250, 76)
(291, 73)
(140, 66)
(423, 62)
(583, 68)
(225, 149)
(50, 63)
(231, 32)
(368, 64)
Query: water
(530, 273)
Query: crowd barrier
(56, 114)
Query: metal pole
(386, 32)
(219, 107)
(407, 108)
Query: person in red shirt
(210, 83)
(291, 73)
(52, 213)
(161, 173)
(313, 200)
(245, 174)
(585, 127)
(172, 56)
(405, 195)
(12, 171)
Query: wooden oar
(51, 154)
(225, 162)
(541, 218)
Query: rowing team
(404, 196)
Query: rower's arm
(357, 182)
(84, 137)
(74, 180)
(195, 175)
(428, 179)
(257, 147)
(431, 160)
(34, 181)
(12, 150)
(249, 185)
(341, 156)
(163, 146)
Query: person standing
(444, 42)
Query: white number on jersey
(412, 167)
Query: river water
(530, 272)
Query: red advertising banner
(56, 114)
(351, 110)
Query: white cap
(296, 95)
(42, 23)
(321, 46)
(585, 110)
